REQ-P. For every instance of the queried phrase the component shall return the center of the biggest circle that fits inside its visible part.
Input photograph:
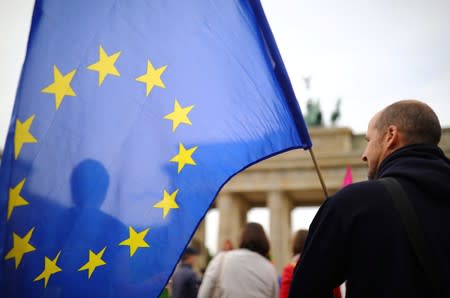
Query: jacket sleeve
(210, 277)
(322, 264)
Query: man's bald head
(416, 121)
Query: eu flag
(129, 118)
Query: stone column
(232, 217)
(280, 228)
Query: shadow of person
(92, 232)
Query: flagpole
(319, 173)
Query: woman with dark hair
(298, 243)
(243, 272)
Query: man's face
(373, 153)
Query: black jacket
(358, 236)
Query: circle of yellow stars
(61, 88)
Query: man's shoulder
(367, 186)
(359, 193)
(360, 203)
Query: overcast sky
(368, 52)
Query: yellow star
(15, 199)
(136, 240)
(23, 135)
(50, 268)
(105, 65)
(184, 157)
(152, 77)
(20, 247)
(179, 115)
(95, 260)
(167, 203)
(60, 86)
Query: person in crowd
(185, 280)
(298, 243)
(358, 234)
(244, 272)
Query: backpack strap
(413, 229)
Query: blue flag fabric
(129, 118)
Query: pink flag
(348, 177)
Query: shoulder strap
(413, 228)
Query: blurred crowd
(245, 271)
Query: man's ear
(392, 137)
